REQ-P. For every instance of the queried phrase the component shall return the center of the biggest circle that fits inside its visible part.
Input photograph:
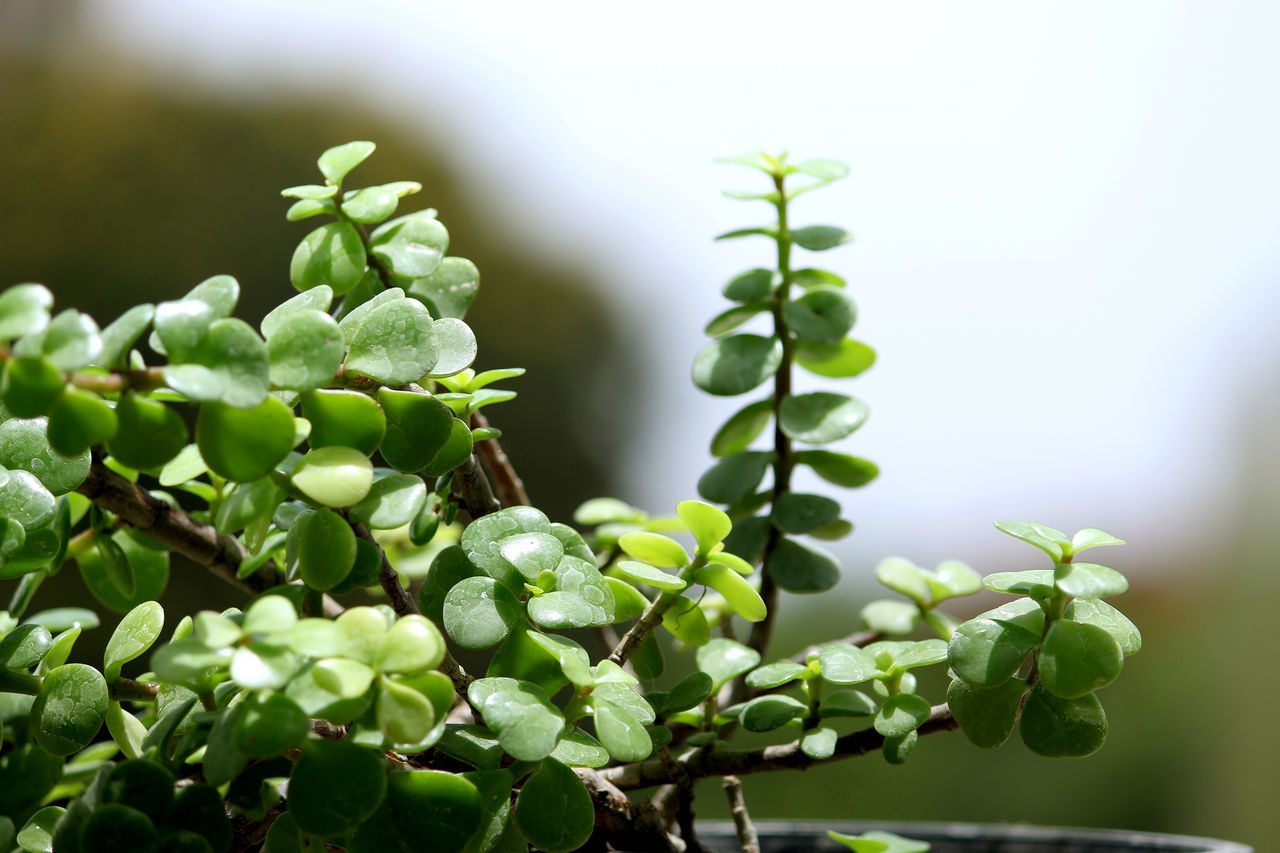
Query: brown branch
(748, 840)
(173, 528)
(646, 774)
(388, 578)
(642, 628)
(506, 481)
(684, 794)
(474, 490)
(624, 823)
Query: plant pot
(811, 837)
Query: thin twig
(644, 625)
(646, 774)
(388, 578)
(684, 794)
(474, 489)
(858, 638)
(506, 481)
(748, 840)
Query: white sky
(1066, 216)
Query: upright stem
(762, 631)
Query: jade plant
(423, 660)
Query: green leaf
(305, 350)
(423, 804)
(751, 286)
(1062, 728)
(532, 553)
(335, 163)
(262, 667)
(149, 571)
(651, 575)
(140, 784)
(346, 418)
(742, 428)
(731, 318)
(846, 703)
(557, 610)
(740, 594)
(117, 827)
(334, 476)
(986, 716)
(709, 525)
(230, 365)
(150, 433)
(823, 170)
(775, 674)
(1077, 659)
(988, 650)
(345, 678)
(845, 664)
(335, 787)
(769, 712)
(199, 811)
(1052, 542)
(268, 725)
(1104, 616)
(411, 645)
(1090, 580)
(24, 310)
(802, 568)
(371, 204)
(819, 743)
(689, 692)
(763, 162)
(734, 477)
(838, 468)
(70, 342)
(724, 659)
(36, 836)
(655, 549)
(526, 723)
(326, 549)
(310, 192)
(892, 618)
(1092, 537)
(572, 658)
(820, 417)
(332, 254)
(412, 246)
(799, 513)
(317, 298)
(71, 708)
(31, 386)
(736, 364)
(576, 748)
(823, 314)
(457, 450)
(455, 344)
(879, 842)
(404, 715)
(394, 343)
(244, 444)
(1037, 583)
(482, 540)
(629, 603)
(392, 502)
(27, 774)
(840, 360)
(24, 646)
(79, 420)
(450, 289)
(621, 733)
(25, 500)
(136, 633)
(554, 810)
(418, 428)
(687, 623)
(814, 277)
(901, 714)
(819, 238)
(119, 337)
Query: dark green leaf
(392, 502)
(342, 417)
(734, 477)
(200, 811)
(751, 286)
(113, 827)
(24, 646)
(838, 468)
(819, 238)
(1090, 580)
(802, 568)
(799, 513)
(766, 713)
(554, 810)
(27, 774)
(690, 692)
(1104, 616)
(730, 319)
(742, 428)
(457, 450)
(136, 633)
(269, 725)
(736, 364)
(823, 314)
(335, 786)
(846, 703)
(901, 714)
(79, 420)
(1077, 659)
(820, 417)
(986, 651)
(31, 386)
(418, 427)
(986, 716)
(1062, 728)
(326, 549)
(525, 721)
(150, 433)
(244, 444)
(621, 733)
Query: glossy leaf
(455, 345)
(769, 712)
(775, 674)
(655, 549)
(150, 433)
(24, 646)
(1062, 728)
(819, 743)
(332, 254)
(621, 733)
(31, 386)
(479, 612)
(841, 360)
(244, 444)
(838, 468)
(819, 238)
(986, 716)
(326, 549)
(532, 553)
(24, 499)
(1047, 539)
(526, 723)
(709, 525)
(418, 427)
(1090, 580)
(731, 318)
(456, 450)
(70, 709)
(135, 633)
(305, 350)
(412, 246)
(229, 365)
(750, 286)
(820, 417)
(846, 703)
(1104, 616)
(394, 343)
(986, 651)
(742, 428)
(392, 502)
(1092, 537)
(411, 645)
(741, 595)
(24, 310)
(79, 420)
(1037, 583)
(342, 417)
(651, 575)
(901, 714)
(845, 664)
(450, 289)
(1077, 659)
(334, 476)
(24, 445)
(736, 364)
(799, 513)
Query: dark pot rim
(1027, 833)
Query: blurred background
(1066, 256)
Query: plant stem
(509, 486)
(747, 838)
(651, 617)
